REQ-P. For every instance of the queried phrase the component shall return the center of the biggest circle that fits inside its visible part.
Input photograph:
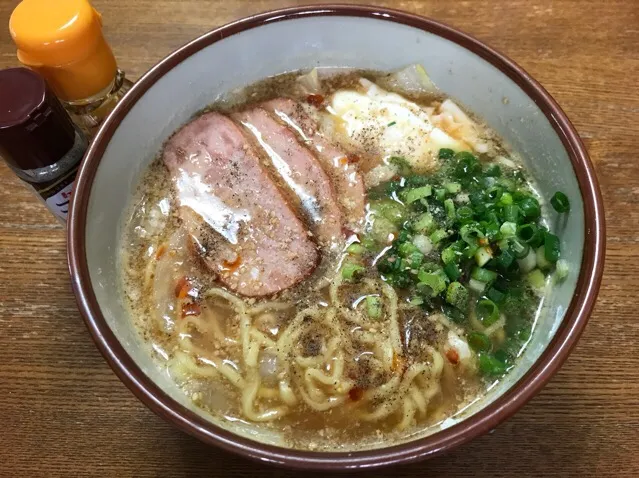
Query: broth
(357, 338)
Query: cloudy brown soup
(344, 258)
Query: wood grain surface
(64, 413)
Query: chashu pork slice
(298, 171)
(240, 223)
(345, 176)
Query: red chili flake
(315, 100)
(399, 363)
(397, 177)
(356, 394)
(352, 158)
(160, 252)
(182, 287)
(231, 266)
(483, 241)
(191, 309)
(452, 356)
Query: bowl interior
(302, 43)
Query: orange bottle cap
(63, 41)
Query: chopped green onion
(483, 275)
(530, 207)
(536, 279)
(526, 232)
(489, 365)
(440, 194)
(433, 280)
(479, 342)
(407, 248)
(505, 259)
(506, 199)
(495, 295)
(449, 206)
(416, 194)
(562, 269)
(446, 153)
(452, 271)
(529, 262)
(438, 236)
(356, 248)
(425, 223)
(508, 229)
(494, 193)
(470, 233)
(464, 213)
(560, 202)
(368, 243)
(415, 259)
(350, 270)
(519, 249)
(452, 188)
(542, 262)
(467, 164)
(487, 312)
(483, 255)
(476, 285)
(392, 123)
(551, 247)
(416, 301)
(511, 213)
(531, 235)
(373, 307)
(449, 255)
(494, 171)
(389, 209)
(457, 295)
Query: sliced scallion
(560, 202)
(416, 194)
(551, 247)
(374, 306)
(487, 312)
(479, 342)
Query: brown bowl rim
(483, 421)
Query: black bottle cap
(35, 129)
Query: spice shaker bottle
(38, 140)
(63, 41)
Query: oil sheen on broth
(344, 257)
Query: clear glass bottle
(38, 140)
(63, 41)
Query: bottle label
(57, 194)
(58, 204)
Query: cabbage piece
(310, 83)
(411, 80)
(452, 119)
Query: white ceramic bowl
(243, 52)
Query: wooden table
(64, 413)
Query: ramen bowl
(243, 52)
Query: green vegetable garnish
(560, 202)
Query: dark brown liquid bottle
(38, 140)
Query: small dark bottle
(38, 140)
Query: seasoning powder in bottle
(63, 41)
(38, 140)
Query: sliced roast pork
(239, 222)
(346, 179)
(299, 171)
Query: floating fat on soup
(343, 259)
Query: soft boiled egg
(386, 124)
